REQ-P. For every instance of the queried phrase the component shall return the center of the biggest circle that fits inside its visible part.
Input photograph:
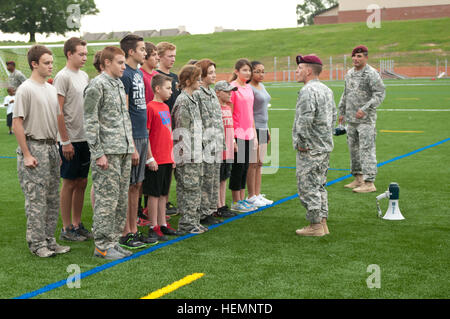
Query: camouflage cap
(309, 59)
(224, 86)
(360, 49)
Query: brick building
(356, 11)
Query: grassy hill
(413, 42)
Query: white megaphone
(393, 211)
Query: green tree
(43, 16)
(308, 9)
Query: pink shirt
(242, 100)
(148, 85)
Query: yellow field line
(391, 131)
(177, 284)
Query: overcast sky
(198, 16)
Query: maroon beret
(309, 59)
(360, 49)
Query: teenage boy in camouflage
(364, 91)
(109, 135)
(35, 126)
(312, 138)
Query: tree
(307, 10)
(43, 16)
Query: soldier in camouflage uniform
(187, 149)
(35, 127)
(213, 136)
(15, 78)
(364, 91)
(312, 138)
(109, 135)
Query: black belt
(48, 141)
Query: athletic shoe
(81, 230)
(209, 220)
(123, 251)
(157, 231)
(143, 222)
(110, 254)
(44, 252)
(171, 209)
(149, 241)
(145, 213)
(130, 242)
(204, 228)
(71, 235)
(168, 231)
(250, 206)
(255, 201)
(263, 198)
(240, 207)
(224, 212)
(193, 230)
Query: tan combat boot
(367, 187)
(356, 183)
(311, 230)
(325, 226)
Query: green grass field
(259, 255)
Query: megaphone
(393, 211)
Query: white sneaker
(256, 201)
(263, 198)
(240, 207)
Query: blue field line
(176, 240)
(8, 157)
(293, 167)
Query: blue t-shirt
(133, 81)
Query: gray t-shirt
(71, 85)
(262, 99)
(38, 105)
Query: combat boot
(315, 230)
(325, 226)
(367, 187)
(44, 252)
(356, 183)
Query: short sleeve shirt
(133, 82)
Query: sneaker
(123, 251)
(150, 241)
(130, 242)
(44, 252)
(70, 234)
(143, 222)
(209, 220)
(166, 230)
(193, 230)
(157, 231)
(81, 230)
(144, 213)
(239, 207)
(249, 205)
(254, 200)
(262, 197)
(171, 209)
(315, 230)
(224, 212)
(110, 254)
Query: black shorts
(157, 183)
(225, 171)
(9, 119)
(78, 166)
(239, 168)
(262, 135)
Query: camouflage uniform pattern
(363, 90)
(314, 121)
(16, 78)
(40, 186)
(108, 132)
(213, 136)
(189, 171)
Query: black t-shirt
(175, 91)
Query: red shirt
(159, 125)
(227, 118)
(148, 85)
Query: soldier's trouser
(40, 186)
(210, 188)
(311, 179)
(111, 199)
(189, 194)
(361, 144)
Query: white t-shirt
(71, 85)
(8, 104)
(37, 104)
